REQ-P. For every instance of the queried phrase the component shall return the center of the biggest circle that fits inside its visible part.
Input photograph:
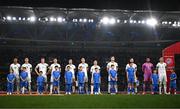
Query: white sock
(116, 89)
(99, 90)
(51, 88)
(159, 90)
(58, 89)
(165, 89)
(23, 90)
(109, 87)
(29, 87)
(135, 90)
(92, 88)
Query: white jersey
(52, 67)
(134, 66)
(42, 67)
(84, 68)
(72, 68)
(161, 68)
(92, 70)
(15, 68)
(28, 67)
(112, 63)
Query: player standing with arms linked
(161, 68)
(15, 67)
(28, 70)
(85, 70)
(42, 66)
(112, 62)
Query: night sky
(160, 5)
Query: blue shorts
(113, 82)
(131, 80)
(80, 84)
(56, 83)
(172, 86)
(24, 83)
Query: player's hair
(161, 58)
(154, 69)
(112, 65)
(112, 56)
(96, 68)
(42, 57)
(15, 58)
(24, 67)
(56, 66)
(54, 58)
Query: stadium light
(80, 20)
(118, 21)
(9, 18)
(24, 18)
(4, 18)
(19, 18)
(91, 20)
(28, 18)
(52, 19)
(112, 21)
(64, 19)
(13, 18)
(32, 19)
(131, 21)
(142, 21)
(84, 20)
(46, 19)
(125, 21)
(59, 19)
(105, 20)
(75, 20)
(151, 22)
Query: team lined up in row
(23, 80)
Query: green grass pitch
(91, 101)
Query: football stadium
(98, 54)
